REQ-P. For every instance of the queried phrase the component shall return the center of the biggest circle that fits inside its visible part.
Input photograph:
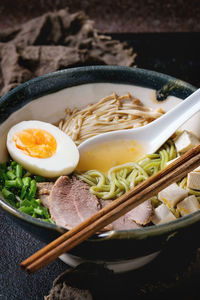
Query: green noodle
(124, 177)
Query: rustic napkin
(54, 41)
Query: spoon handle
(165, 126)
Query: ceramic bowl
(45, 98)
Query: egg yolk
(35, 143)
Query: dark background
(166, 37)
(113, 16)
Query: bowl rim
(86, 77)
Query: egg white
(63, 162)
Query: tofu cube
(186, 141)
(162, 215)
(188, 205)
(172, 194)
(193, 180)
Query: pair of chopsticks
(150, 187)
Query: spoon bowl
(153, 135)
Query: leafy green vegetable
(11, 175)
(33, 188)
(18, 171)
(7, 194)
(19, 189)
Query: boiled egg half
(42, 148)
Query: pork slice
(124, 223)
(121, 223)
(71, 202)
(142, 213)
(43, 192)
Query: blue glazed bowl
(45, 98)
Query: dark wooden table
(175, 272)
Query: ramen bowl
(45, 98)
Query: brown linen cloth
(55, 41)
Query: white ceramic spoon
(152, 135)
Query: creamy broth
(110, 154)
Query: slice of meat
(142, 213)
(43, 192)
(124, 223)
(71, 202)
(121, 223)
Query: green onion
(33, 203)
(19, 187)
(13, 165)
(7, 194)
(26, 202)
(37, 201)
(19, 182)
(23, 192)
(46, 212)
(11, 175)
(19, 171)
(33, 189)
(10, 183)
(26, 210)
(26, 181)
(38, 211)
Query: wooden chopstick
(175, 171)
